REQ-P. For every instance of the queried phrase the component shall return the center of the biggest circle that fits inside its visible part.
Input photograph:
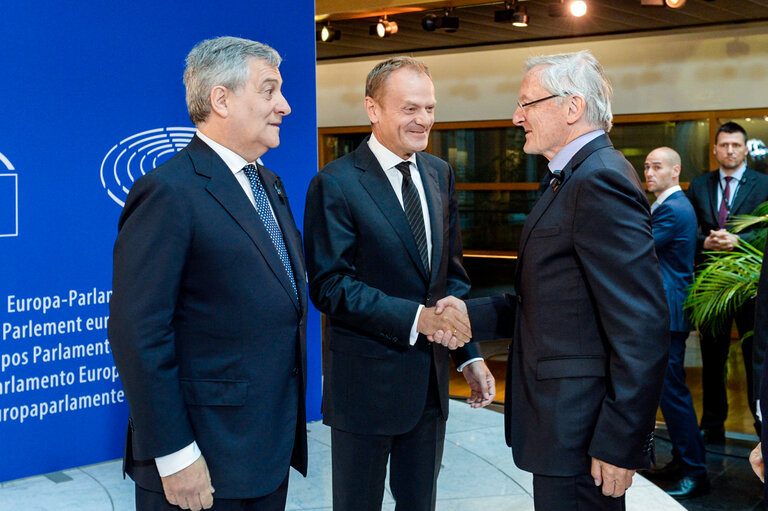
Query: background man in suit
(589, 322)
(731, 190)
(383, 244)
(674, 235)
(209, 304)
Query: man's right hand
(190, 488)
(756, 460)
(451, 320)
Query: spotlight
(384, 28)
(328, 33)
(432, 22)
(576, 8)
(518, 15)
(673, 4)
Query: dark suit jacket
(206, 331)
(365, 273)
(759, 346)
(591, 335)
(674, 236)
(752, 191)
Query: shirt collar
(666, 193)
(565, 154)
(386, 158)
(737, 174)
(232, 160)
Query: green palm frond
(726, 281)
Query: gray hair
(379, 74)
(220, 61)
(577, 74)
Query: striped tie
(412, 206)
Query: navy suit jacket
(674, 236)
(366, 275)
(589, 323)
(206, 331)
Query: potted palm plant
(728, 279)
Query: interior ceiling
(477, 27)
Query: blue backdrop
(81, 83)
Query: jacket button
(295, 371)
(394, 339)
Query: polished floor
(478, 474)
(734, 486)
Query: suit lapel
(288, 227)
(549, 194)
(435, 206)
(380, 190)
(746, 186)
(712, 185)
(223, 186)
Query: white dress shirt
(663, 196)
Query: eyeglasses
(523, 105)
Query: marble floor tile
(477, 474)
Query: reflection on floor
(734, 486)
(477, 475)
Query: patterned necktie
(262, 206)
(722, 214)
(557, 180)
(412, 207)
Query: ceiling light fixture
(384, 28)
(328, 33)
(432, 22)
(577, 8)
(673, 4)
(513, 13)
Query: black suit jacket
(591, 335)
(365, 273)
(206, 331)
(702, 192)
(759, 346)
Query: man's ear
(577, 106)
(219, 99)
(372, 109)
(676, 170)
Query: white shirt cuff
(465, 364)
(757, 411)
(177, 461)
(415, 327)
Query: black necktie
(412, 206)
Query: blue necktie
(262, 206)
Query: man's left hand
(481, 383)
(615, 480)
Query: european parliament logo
(9, 199)
(138, 154)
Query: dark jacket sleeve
(330, 244)
(612, 234)
(154, 226)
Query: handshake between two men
(448, 324)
